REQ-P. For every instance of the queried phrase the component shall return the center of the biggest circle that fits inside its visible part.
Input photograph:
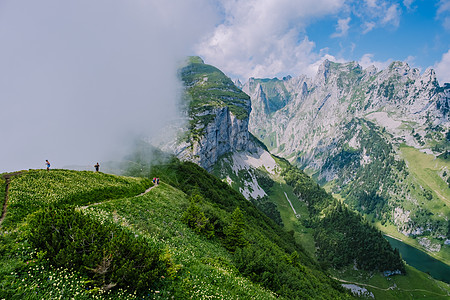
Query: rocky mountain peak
(429, 76)
(218, 113)
(237, 83)
(322, 72)
(371, 70)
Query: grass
(38, 188)
(205, 271)
(426, 169)
(413, 285)
(302, 234)
(206, 267)
(2, 193)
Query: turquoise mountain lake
(421, 261)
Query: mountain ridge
(347, 126)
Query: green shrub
(109, 254)
(195, 218)
(234, 233)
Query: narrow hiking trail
(147, 190)
(7, 178)
(141, 194)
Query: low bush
(195, 218)
(107, 253)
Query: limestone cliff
(218, 114)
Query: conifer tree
(235, 231)
(195, 218)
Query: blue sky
(268, 38)
(417, 36)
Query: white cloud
(352, 47)
(368, 26)
(342, 27)
(411, 60)
(443, 13)
(392, 16)
(443, 68)
(408, 3)
(377, 14)
(446, 23)
(371, 3)
(265, 37)
(367, 61)
(444, 6)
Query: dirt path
(146, 191)
(7, 178)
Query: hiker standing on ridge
(47, 163)
(97, 167)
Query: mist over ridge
(79, 81)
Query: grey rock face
(217, 112)
(224, 134)
(315, 111)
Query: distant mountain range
(378, 138)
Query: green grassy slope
(35, 189)
(414, 284)
(206, 268)
(426, 173)
(293, 222)
(38, 249)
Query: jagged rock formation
(348, 125)
(307, 115)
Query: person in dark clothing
(157, 181)
(97, 167)
(47, 163)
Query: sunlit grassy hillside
(86, 235)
